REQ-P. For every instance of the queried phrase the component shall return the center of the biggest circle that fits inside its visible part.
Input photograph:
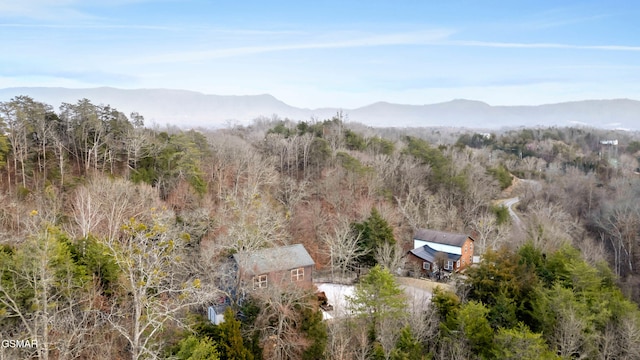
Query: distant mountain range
(192, 109)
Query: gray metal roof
(274, 259)
(441, 237)
(426, 253)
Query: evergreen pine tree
(231, 342)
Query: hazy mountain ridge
(189, 108)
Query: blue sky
(330, 53)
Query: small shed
(216, 314)
(278, 265)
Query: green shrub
(502, 214)
(503, 176)
(23, 192)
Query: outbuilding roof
(273, 259)
(426, 253)
(441, 237)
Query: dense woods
(116, 237)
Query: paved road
(509, 204)
(532, 185)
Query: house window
(297, 274)
(449, 265)
(260, 281)
(458, 264)
(426, 265)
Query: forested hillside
(116, 237)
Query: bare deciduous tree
(154, 288)
(391, 257)
(278, 321)
(361, 341)
(338, 341)
(104, 205)
(629, 336)
(250, 223)
(343, 246)
(292, 192)
(453, 349)
(137, 141)
(480, 190)
(490, 234)
(568, 337)
(86, 211)
(620, 223)
(549, 226)
(43, 296)
(421, 209)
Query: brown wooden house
(454, 251)
(280, 265)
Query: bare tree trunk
(568, 337)
(61, 165)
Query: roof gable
(274, 259)
(441, 237)
(426, 253)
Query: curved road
(509, 204)
(534, 185)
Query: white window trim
(449, 265)
(426, 265)
(297, 274)
(458, 264)
(260, 281)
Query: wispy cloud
(490, 44)
(437, 37)
(562, 20)
(57, 10)
(87, 26)
(41, 9)
(453, 82)
(563, 14)
(598, 67)
(74, 75)
(410, 38)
